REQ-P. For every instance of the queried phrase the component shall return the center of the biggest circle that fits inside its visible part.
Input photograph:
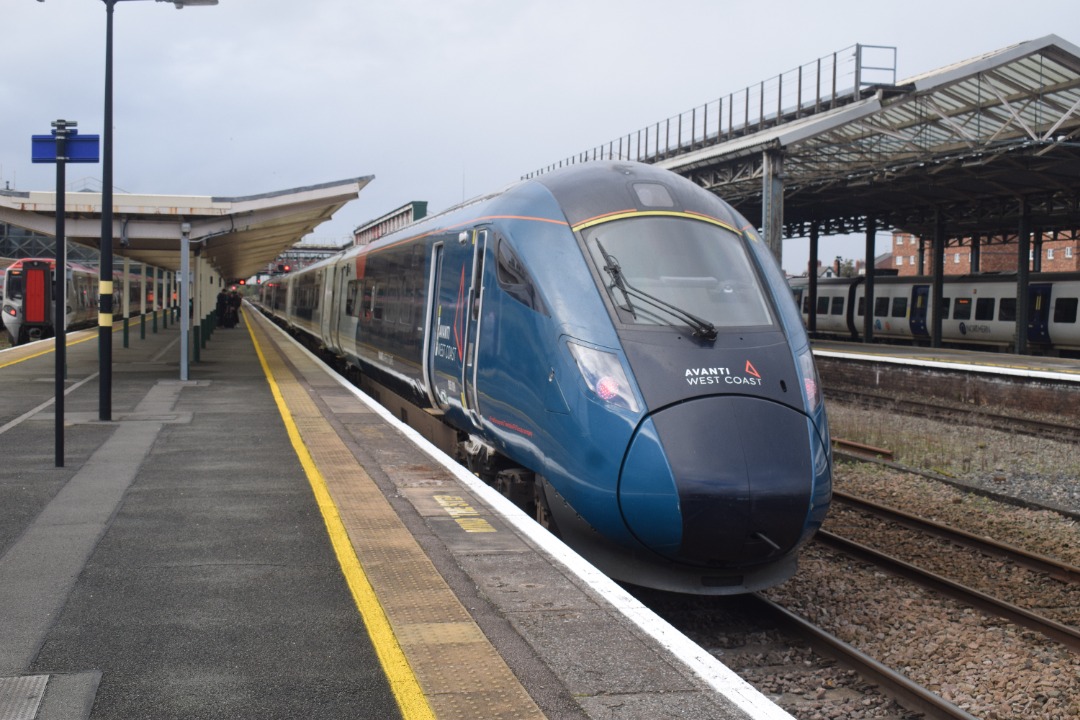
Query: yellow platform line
(403, 683)
(461, 674)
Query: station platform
(976, 361)
(262, 540)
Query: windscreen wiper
(612, 268)
(702, 328)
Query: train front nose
(738, 471)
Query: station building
(1049, 252)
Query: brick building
(1049, 255)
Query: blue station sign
(77, 148)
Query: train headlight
(603, 374)
(811, 384)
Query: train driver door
(456, 293)
(472, 323)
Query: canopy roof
(237, 236)
(968, 141)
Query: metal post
(105, 270)
(812, 276)
(185, 274)
(60, 282)
(1023, 265)
(870, 249)
(772, 200)
(938, 263)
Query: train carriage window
(837, 305)
(1007, 310)
(881, 307)
(862, 307)
(899, 307)
(514, 279)
(350, 297)
(378, 305)
(962, 310)
(984, 309)
(823, 306)
(806, 305)
(1065, 310)
(945, 303)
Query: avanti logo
(722, 375)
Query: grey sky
(439, 99)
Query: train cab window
(15, 286)
(837, 305)
(514, 279)
(660, 271)
(881, 307)
(984, 309)
(823, 306)
(945, 303)
(1065, 310)
(962, 310)
(899, 307)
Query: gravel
(989, 667)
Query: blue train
(611, 346)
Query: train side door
(440, 350)
(37, 293)
(472, 323)
(455, 285)
(1039, 315)
(334, 304)
(920, 301)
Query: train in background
(26, 296)
(977, 311)
(612, 347)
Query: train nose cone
(739, 471)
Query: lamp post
(105, 275)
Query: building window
(956, 259)
(1068, 252)
(899, 260)
(1049, 253)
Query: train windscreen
(659, 270)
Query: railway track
(907, 692)
(975, 416)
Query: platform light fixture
(105, 270)
(105, 288)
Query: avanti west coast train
(976, 310)
(611, 346)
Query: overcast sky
(440, 100)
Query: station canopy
(237, 236)
(972, 142)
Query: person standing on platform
(222, 306)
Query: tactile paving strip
(20, 696)
(461, 674)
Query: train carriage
(976, 310)
(612, 346)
